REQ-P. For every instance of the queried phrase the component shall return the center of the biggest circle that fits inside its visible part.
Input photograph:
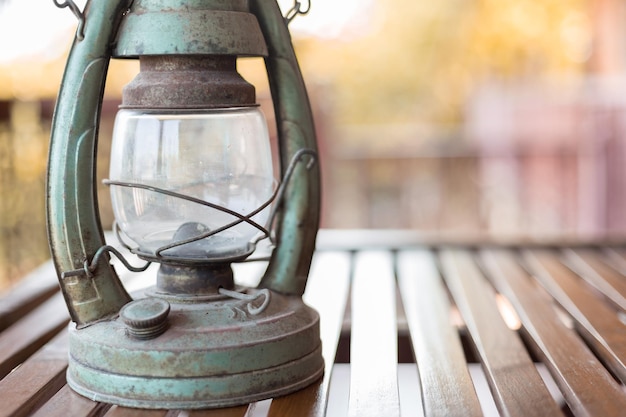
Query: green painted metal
(180, 27)
(197, 393)
(298, 220)
(74, 229)
(212, 355)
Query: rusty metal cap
(180, 82)
(145, 318)
(196, 27)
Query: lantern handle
(297, 218)
(80, 34)
(297, 10)
(73, 220)
(90, 267)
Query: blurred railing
(524, 192)
(529, 162)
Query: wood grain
(117, 411)
(586, 284)
(67, 403)
(240, 411)
(585, 384)
(36, 380)
(593, 267)
(30, 333)
(515, 384)
(373, 342)
(31, 291)
(327, 291)
(598, 324)
(447, 388)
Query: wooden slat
(447, 388)
(373, 342)
(240, 411)
(615, 258)
(117, 411)
(585, 384)
(327, 292)
(621, 253)
(517, 387)
(589, 265)
(599, 324)
(31, 291)
(26, 336)
(67, 403)
(36, 380)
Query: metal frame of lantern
(170, 351)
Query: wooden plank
(31, 291)
(585, 384)
(446, 385)
(67, 403)
(36, 380)
(515, 384)
(26, 336)
(616, 257)
(373, 342)
(240, 411)
(327, 292)
(590, 265)
(118, 411)
(598, 324)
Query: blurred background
(481, 118)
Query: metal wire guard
(277, 196)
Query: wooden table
(410, 326)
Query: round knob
(145, 318)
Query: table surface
(410, 326)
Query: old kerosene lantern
(193, 190)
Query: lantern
(192, 188)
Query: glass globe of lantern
(220, 156)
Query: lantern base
(214, 353)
